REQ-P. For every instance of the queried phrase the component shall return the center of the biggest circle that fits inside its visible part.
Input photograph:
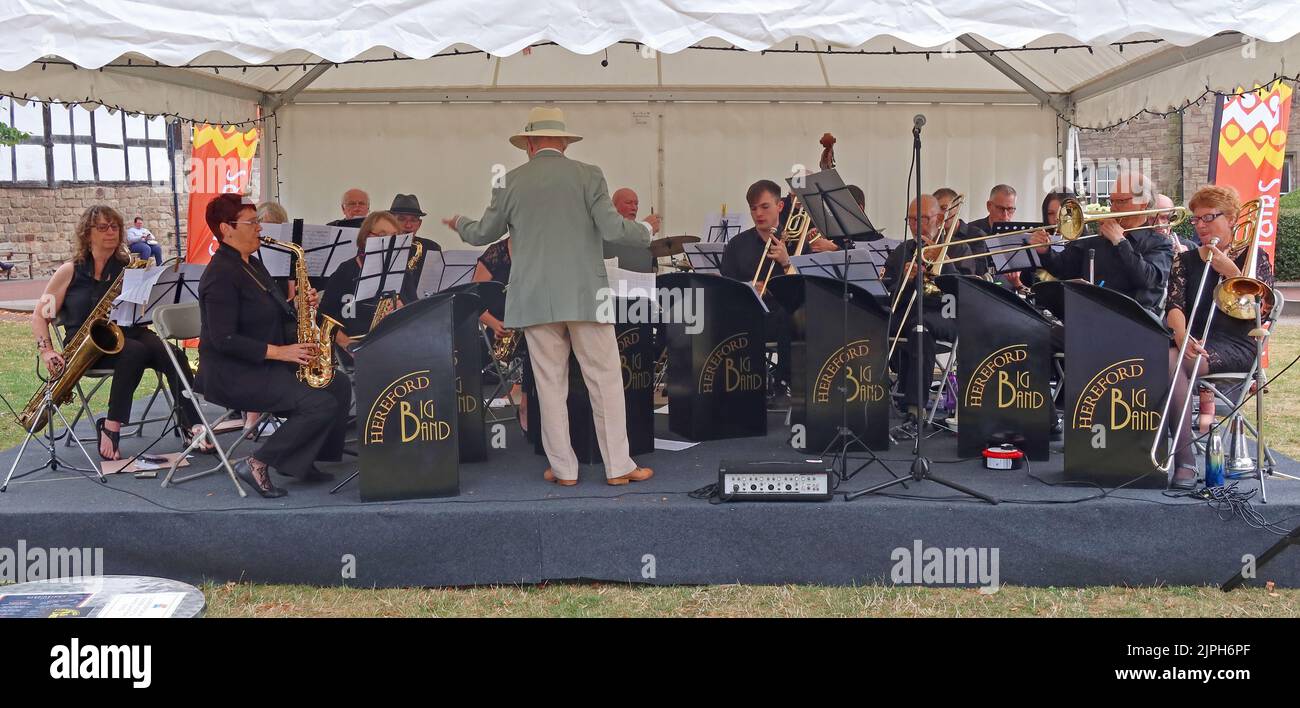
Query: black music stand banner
(637, 358)
(829, 360)
(407, 405)
(467, 355)
(1004, 360)
(717, 369)
(1116, 377)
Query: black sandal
(1185, 484)
(114, 436)
(205, 447)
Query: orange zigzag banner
(1250, 148)
(221, 163)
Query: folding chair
(177, 323)
(100, 376)
(1231, 388)
(950, 348)
(507, 374)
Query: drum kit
(672, 247)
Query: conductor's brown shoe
(549, 476)
(639, 474)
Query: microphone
(917, 121)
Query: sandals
(1184, 483)
(205, 446)
(114, 436)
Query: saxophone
(388, 303)
(319, 372)
(504, 348)
(97, 337)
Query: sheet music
(384, 266)
(446, 269)
(705, 257)
(277, 261)
(327, 246)
(627, 283)
(137, 283)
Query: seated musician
(965, 230)
(1134, 262)
(249, 355)
(741, 258)
(73, 291)
(898, 274)
(494, 265)
(635, 258)
(338, 303)
(1228, 347)
(406, 209)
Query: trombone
(950, 221)
(795, 232)
(1229, 296)
(1072, 221)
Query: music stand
(444, 270)
(859, 266)
(720, 228)
(920, 470)
(705, 257)
(838, 217)
(384, 267)
(177, 284)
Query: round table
(90, 596)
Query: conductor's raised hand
(451, 222)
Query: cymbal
(671, 245)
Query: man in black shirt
(1135, 263)
(940, 316)
(741, 258)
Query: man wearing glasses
(1160, 224)
(356, 205)
(406, 207)
(1134, 262)
(1002, 207)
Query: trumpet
(1072, 222)
(1244, 231)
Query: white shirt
(134, 235)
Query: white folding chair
(177, 323)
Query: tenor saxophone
(97, 337)
(319, 371)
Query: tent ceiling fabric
(296, 33)
(254, 31)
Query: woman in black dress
(74, 290)
(249, 355)
(494, 265)
(1228, 346)
(342, 284)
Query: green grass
(607, 600)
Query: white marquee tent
(685, 101)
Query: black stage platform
(509, 526)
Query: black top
(1137, 267)
(242, 313)
(974, 266)
(740, 258)
(339, 291)
(496, 259)
(902, 254)
(84, 292)
(1184, 280)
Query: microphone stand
(920, 464)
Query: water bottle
(1214, 461)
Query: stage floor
(508, 526)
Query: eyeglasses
(245, 223)
(106, 228)
(1004, 209)
(351, 205)
(1208, 219)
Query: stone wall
(1157, 139)
(42, 221)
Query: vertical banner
(221, 163)
(1249, 149)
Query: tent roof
(1171, 54)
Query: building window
(1288, 172)
(69, 145)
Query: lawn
(608, 600)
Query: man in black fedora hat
(406, 207)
